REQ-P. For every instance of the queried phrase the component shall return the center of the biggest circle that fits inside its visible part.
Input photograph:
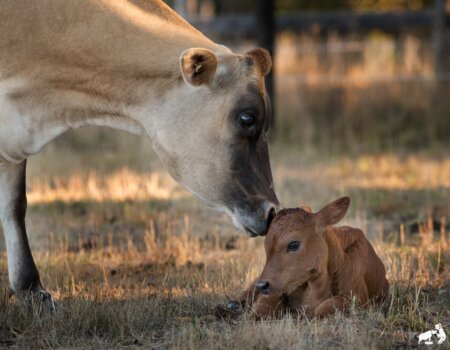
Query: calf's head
(296, 251)
(215, 143)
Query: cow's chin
(249, 224)
(236, 220)
(250, 233)
(244, 222)
(240, 226)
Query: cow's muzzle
(257, 225)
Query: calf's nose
(262, 286)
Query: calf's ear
(198, 66)
(306, 208)
(333, 212)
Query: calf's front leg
(330, 306)
(263, 305)
(248, 296)
(268, 305)
(22, 272)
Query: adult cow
(136, 66)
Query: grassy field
(135, 261)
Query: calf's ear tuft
(198, 66)
(333, 212)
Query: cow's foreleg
(23, 275)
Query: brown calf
(313, 266)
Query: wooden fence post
(217, 7)
(180, 7)
(438, 39)
(265, 24)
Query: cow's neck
(119, 69)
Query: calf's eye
(293, 246)
(247, 120)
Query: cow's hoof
(39, 301)
(46, 303)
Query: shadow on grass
(101, 321)
(132, 303)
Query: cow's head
(296, 251)
(215, 143)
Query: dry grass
(131, 268)
(119, 186)
(163, 294)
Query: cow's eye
(247, 119)
(293, 246)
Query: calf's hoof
(231, 310)
(233, 306)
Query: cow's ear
(198, 66)
(333, 212)
(261, 59)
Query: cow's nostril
(262, 286)
(271, 216)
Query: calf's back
(359, 263)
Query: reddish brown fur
(332, 266)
